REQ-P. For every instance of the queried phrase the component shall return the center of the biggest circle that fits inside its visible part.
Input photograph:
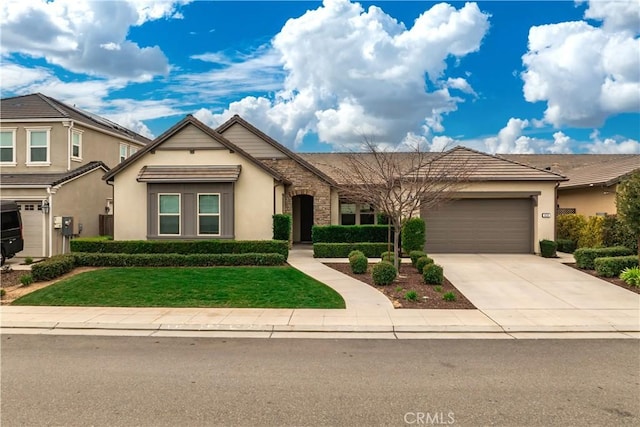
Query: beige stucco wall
(95, 146)
(253, 195)
(544, 228)
(589, 201)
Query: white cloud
(586, 74)
(351, 71)
(617, 145)
(85, 36)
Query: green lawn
(239, 287)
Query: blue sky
(499, 76)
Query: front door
(302, 218)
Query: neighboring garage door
(32, 229)
(480, 226)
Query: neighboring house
(593, 179)
(52, 159)
(195, 182)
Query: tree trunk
(396, 252)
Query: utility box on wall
(67, 226)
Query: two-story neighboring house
(52, 159)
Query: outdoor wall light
(45, 206)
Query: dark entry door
(306, 217)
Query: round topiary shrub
(359, 263)
(432, 274)
(415, 255)
(389, 257)
(422, 262)
(354, 253)
(384, 273)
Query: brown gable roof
(236, 119)
(39, 106)
(48, 179)
(563, 163)
(190, 120)
(603, 173)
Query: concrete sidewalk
(369, 314)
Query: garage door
(480, 226)
(32, 228)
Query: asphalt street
(125, 381)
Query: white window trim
(132, 150)
(126, 152)
(79, 133)
(179, 214)
(48, 136)
(198, 214)
(13, 139)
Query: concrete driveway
(527, 289)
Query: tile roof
(563, 163)
(217, 173)
(39, 106)
(48, 179)
(602, 173)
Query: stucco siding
(253, 196)
(190, 138)
(589, 201)
(252, 144)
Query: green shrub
(449, 296)
(358, 262)
(413, 235)
(433, 274)
(52, 268)
(26, 279)
(28, 260)
(350, 233)
(591, 236)
(342, 250)
(567, 246)
(617, 233)
(175, 260)
(389, 257)
(354, 253)
(570, 226)
(411, 296)
(548, 248)
(281, 227)
(181, 246)
(2, 292)
(437, 288)
(383, 273)
(414, 255)
(585, 256)
(631, 276)
(422, 262)
(613, 266)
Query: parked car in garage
(11, 235)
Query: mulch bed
(614, 280)
(410, 280)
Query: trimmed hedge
(342, 250)
(585, 256)
(422, 263)
(383, 273)
(415, 255)
(53, 267)
(350, 233)
(433, 274)
(613, 266)
(176, 260)
(281, 227)
(567, 246)
(548, 248)
(184, 247)
(413, 235)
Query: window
(168, 214)
(124, 151)
(367, 215)
(348, 213)
(76, 145)
(208, 214)
(133, 150)
(38, 146)
(8, 147)
(356, 213)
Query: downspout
(113, 206)
(50, 228)
(69, 126)
(555, 213)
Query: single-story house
(195, 182)
(592, 179)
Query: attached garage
(481, 225)
(32, 228)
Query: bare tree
(399, 184)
